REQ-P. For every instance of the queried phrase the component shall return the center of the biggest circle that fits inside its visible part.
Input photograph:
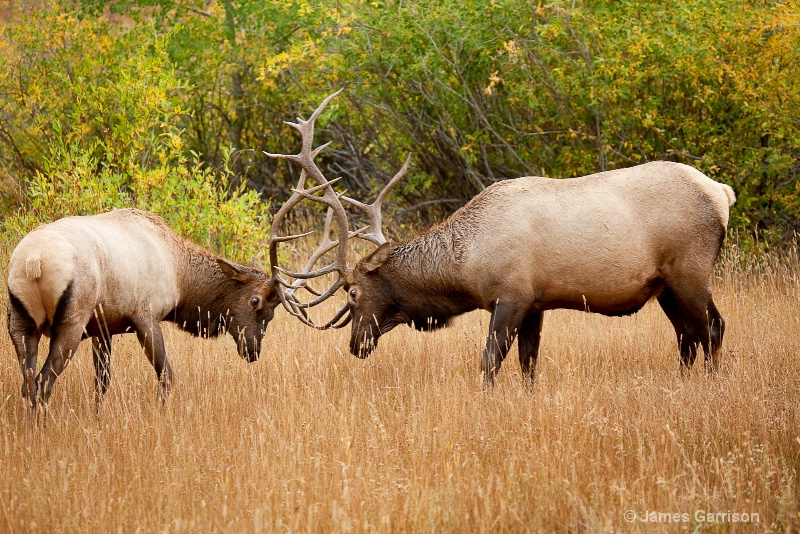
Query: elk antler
(336, 212)
(374, 209)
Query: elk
(102, 275)
(605, 243)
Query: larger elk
(605, 243)
(107, 274)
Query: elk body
(102, 275)
(605, 243)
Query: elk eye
(353, 293)
(255, 301)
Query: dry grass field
(310, 438)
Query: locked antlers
(323, 192)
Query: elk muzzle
(363, 340)
(249, 345)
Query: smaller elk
(102, 275)
(605, 243)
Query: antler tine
(289, 303)
(374, 210)
(284, 238)
(297, 309)
(339, 314)
(310, 274)
(322, 298)
(322, 106)
(396, 178)
(309, 193)
(329, 197)
(325, 245)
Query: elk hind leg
(530, 333)
(697, 323)
(64, 341)
(25, 337)
(687, 346)
(713, 343)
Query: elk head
(250, 307)
(371, 302)
(357, 307)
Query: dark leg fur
(504, 325)
(713, 343)
(152, 340)
(25, 337)
(66, 332)
(530, 333)
(697, 323)
(64, 341)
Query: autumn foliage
(146, 103)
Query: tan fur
(596, 238)
(729, 193)
(119, 258)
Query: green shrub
(477, 91)
(107, 122)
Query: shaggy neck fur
(424, 275)
(207, 294)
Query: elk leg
(152, 340)
(530, 333)
(502, 330)
(25, 337)
(716, 333)
(101, 352)
(64, 342)
(697, 323)
(686, 345)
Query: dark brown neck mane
(424, 275)
(207, 294)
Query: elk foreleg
(152, 340)
(530, 333)
(503, 327)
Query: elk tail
(729, 193)
(33, 267)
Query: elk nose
(249, 349)
(254, 351)
(361, 346)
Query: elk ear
(234, 272)
(377, 258)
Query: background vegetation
(168, 104)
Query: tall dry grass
(312, 439)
